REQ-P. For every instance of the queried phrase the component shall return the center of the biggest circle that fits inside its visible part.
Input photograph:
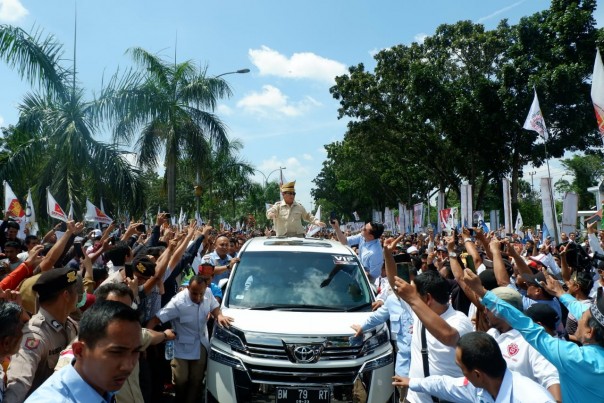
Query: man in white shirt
(518, 354)
(486, 377)
(434, 317)
(188, 311)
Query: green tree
(172, 105)
(53, 143)
(587, 171)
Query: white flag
(518, 226)
(597, 92)
(12, 206)
(30, 214)
(312, 228)
(534, 120)
(356, 216)
(70, 213)
(93, 213)
(53, 209)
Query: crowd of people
(474, 316)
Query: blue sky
(282, 110)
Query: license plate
(302, 395)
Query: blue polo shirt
(66, 385)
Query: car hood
(296, 323)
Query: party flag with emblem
(93, 213)
(53, 209)
(534, 120)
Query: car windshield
(299, 281)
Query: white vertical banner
(507, 206)
(418, 217)
(569, 212)
(466, 205)
(494, 218)
(387, 226)
(440, 205)
(401, 218)
(549, 209)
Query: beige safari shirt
(288, 219)
(43, 340)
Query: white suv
(293, 301)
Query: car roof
(293, 244)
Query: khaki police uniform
(44, 338)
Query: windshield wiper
(283, 307)
(359, 307)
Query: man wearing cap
(288, 214)
(518, 354)
(188, 312)
(581, 368)
(46, 335)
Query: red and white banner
(448, 219)
(93, 213)
(597, 92)
(53, 209)
(418, 217)
(11, 204)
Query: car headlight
(225, 359)
(230, 337)
(374, 339)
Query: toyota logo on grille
(304, 354)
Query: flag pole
(551, 194)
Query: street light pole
(240, 71)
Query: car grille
(274, 348)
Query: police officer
(288, 213)
(47, 333)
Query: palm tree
(172, 105)
(55, 130)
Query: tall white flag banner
(418, 217)
(597, 92)
(549, 209)
(401, 218)
(93, 213)
(507, 207)
(466, 205)
(534, 121)
(312, 228)
(30, 215)
(519, 225)
(53, 209)
(440, 205)
(570, 208)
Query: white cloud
(293, 168)
(222, 109)
(1, 121)
(500, 11)
(272, 101)
(420, 38)
(307, 157)
(322, 151)
(12, 11)
(299, 65)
